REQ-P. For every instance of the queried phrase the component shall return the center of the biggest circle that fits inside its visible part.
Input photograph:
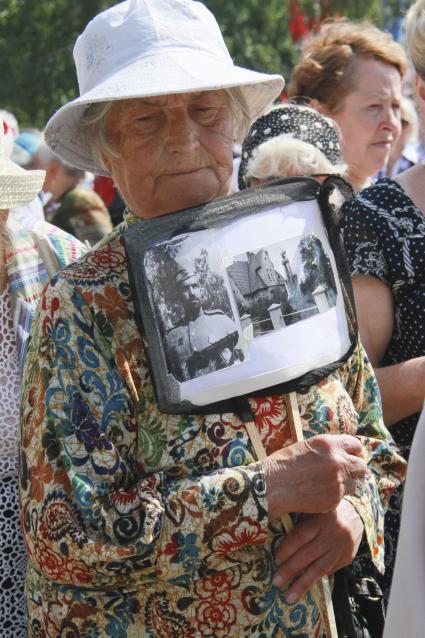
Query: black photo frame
(227, 292)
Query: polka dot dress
(384, 236)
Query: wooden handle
(261, 455)
(321, 591)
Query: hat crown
(295, 121)
(137, 29)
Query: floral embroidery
(138, 521)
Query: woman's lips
(184, 171)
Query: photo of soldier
(205, 340)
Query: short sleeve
(362, 234)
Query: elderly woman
(352, 73)
(384, 236)
(287, 141)
(140, 523)
(27, 261)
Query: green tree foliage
(256, 32)
(37, 38)
(353, 9)
(36, 64)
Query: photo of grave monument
(282, 284)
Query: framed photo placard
(238, 296)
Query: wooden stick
(321, 591)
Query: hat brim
(167, 72)
(18, 186)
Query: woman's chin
(194, 189)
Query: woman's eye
(206, 110)
(145, 118)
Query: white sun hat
(17, 186)
(144, 48)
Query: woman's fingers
(316, 547)
(297, 539)
(324, 565)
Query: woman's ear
(318, 106)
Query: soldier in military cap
(205, 340)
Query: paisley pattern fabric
(140, 523)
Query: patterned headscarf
(294, 121)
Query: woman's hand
(312, 476)
(316, 547)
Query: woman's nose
(183, 133)
(392, 121)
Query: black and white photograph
(243, 306)
(282, 283)
(195, 317)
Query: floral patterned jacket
(139, 523)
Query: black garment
(384, 236)
(13, 562)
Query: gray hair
(45, 156)
(284, 156)
(409, 114)
(93, 123)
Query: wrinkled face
(176, 150)
(369, 118)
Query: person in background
(404, 153)
(24, 153)
(140, 523)
(104, 186)
(27, 261)
(287, 141)
(384, 236)
(76, 209)
(25, 148)
(352, 73)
